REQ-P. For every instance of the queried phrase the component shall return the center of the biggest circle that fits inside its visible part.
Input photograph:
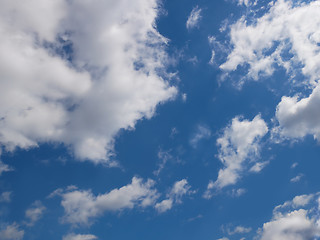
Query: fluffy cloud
(11, 232)
(81, 206)
(179, 189)
(194, 18)
(238, 147)
(293, 225)
(34, 213)
(298, 118)
(79, 85)
(290, 221)
(73, 236)
(287, 35)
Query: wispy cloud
(202, 132)
(179, 189)
(194, 18)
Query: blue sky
(146, 119)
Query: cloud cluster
(77, 72)
(238, 145)
(287, 36)
(291, 221)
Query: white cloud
(293, 225)
(298, 118)
(287, 35)
(34, 213)
(302, 200)
(208, 193)
(244, 2)
(184, 97)
(164, 205)
(73, 236)
(179, 189)
(202, 132)
(247, 3)
(239, 230)
(257, 167)
(5, 197)
(238, 192)
(296, 178)
(81, 206)
(4, 167)
(238, 147)
(290, 221)
(194, 18)
(296, 202)
(11, 232)
(116, 75)
(164, 157)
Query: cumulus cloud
(194, 18)
(293, 225)
(73, 236)
(81, 206)
(179, 189)
(238, 147)
(287, 36)
(299, 117)
(34, 213)
(111, 75)
(290, 221)
(11, 232)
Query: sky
(159, 119)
